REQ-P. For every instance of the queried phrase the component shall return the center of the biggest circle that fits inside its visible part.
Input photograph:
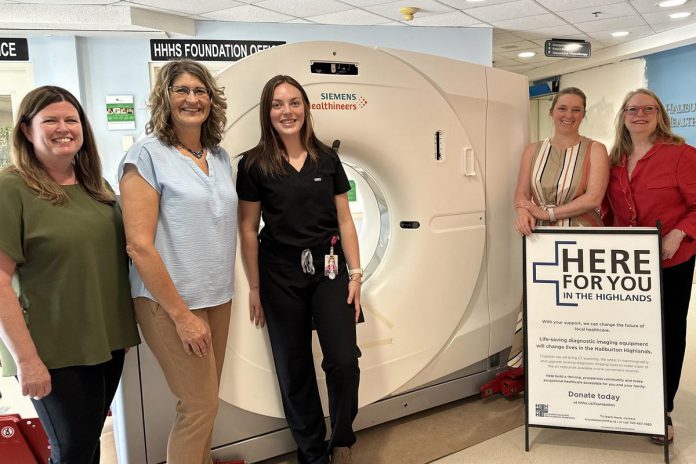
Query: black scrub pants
(294, 302)
(676, 293)
(73, 414)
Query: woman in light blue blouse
(180, 210)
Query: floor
(546, 445)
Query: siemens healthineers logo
(339, 101)
(596, 274)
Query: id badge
(330, 266)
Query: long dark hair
(87, 165)
(268, 153)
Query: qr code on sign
(542, 410)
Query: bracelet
(357, 270)
(552, 215)
(355, 278)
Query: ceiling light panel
(649, 6)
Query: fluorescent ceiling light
(620, 33)
(526, 54)
(671, 3)
(683, 14)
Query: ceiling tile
(362, 3)
(453, 19)
(351, 17)
(611, 24)
(302, 8)
(185, 6)
(634, 33)
(597, 13)
(425, 7)
(565, 31)
(662, 17)
(511, 10)
(530, 23)
(247, 13)
(464, 4)
(650, 6)
(508, 47)
(663, 27)
(565, 5)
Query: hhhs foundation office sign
(593, 329)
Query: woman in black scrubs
(303, 268)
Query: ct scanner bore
(432, 145)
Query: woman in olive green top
(61, 233)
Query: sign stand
(593, 331)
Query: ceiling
(518, 25)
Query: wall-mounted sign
(206, 50)
(593, 322)
(14, 50)
(120, 112)
(562, 48)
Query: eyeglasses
(183, 91)
(647, 109)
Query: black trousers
(73, 414)
(676, 293)
(294, 302)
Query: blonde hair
(87, 165)
(160, 123)
(569, 91)
(623, 145)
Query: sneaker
(341, 455)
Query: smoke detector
(407, 12)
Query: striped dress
(560, 176)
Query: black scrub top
(298, 208)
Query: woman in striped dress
(562, 180)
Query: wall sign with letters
(14, 50)
(206, 50)
(593, 330)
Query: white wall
(605, 87)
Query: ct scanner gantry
(433, 147)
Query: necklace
(197, 154)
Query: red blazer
(662, 187)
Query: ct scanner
(432, 145)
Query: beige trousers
(193, 380)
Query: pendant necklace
(197, 154)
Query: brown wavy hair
(87, 164)
(623, 145)
(268, 153)
(160, 123)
